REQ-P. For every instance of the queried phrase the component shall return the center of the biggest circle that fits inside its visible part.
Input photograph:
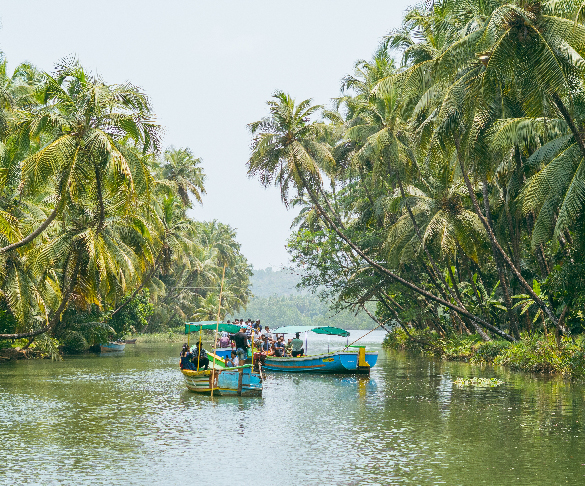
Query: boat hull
(112, 347)
(340, 362)
(224, 382)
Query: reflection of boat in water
(218, 379)
(351, 359)
(112, 347)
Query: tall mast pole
(216, 329)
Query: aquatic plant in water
(478, 382)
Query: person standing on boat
(297, 345)
(268, 334)
(241, 341)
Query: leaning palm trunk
(498, 247)
(27, 239)
(56, 318)
(438, 274)
(501, 273)
(384, 271)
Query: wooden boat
(219, 380)
(239, 381)
(351, 359)
(359, 362)
(112, 347)
(130, 341)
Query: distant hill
(277, 302)
(268, 282)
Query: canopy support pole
(216, 329)
(362, 337)
(199, 350)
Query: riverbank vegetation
(95, 240)
(446, 183)
(532, 353)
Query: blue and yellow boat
(220, 380)
(351, 359)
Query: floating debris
(478, 382)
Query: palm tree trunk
(494, 241)
(501, 271)
(35, 233)
(57, 315)
(384, 271)
(455, 296)
(145, 280)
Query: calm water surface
(130, 420)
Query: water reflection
(129, 420)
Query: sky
(209, 67)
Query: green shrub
(74, 342)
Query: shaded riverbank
(128, 419)
(533, 354)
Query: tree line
(446, 182)
(95, 239)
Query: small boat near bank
(112, 347)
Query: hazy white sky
(209, 67)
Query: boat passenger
(241, 341)
(186, 363)
(224, 341)
(235, 361)
(200, 357)
(280, 344)
(288, 348)
(297, 346)
(276, 351)
(266, 344)
(268, 334)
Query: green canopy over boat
(210, 325)
(332, 331)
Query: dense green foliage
(447, 182)
(95, 241)
(530, 353)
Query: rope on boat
(379, 325)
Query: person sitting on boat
(266, 345)
(276, 351)
(288, 348)
(234, 360)
(186, 356)
(279, 344)
(241, 341)
(200, 359)
(297, 346)
(224, 341)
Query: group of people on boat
(265, 343)
(195, 358)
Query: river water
(129, 420)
